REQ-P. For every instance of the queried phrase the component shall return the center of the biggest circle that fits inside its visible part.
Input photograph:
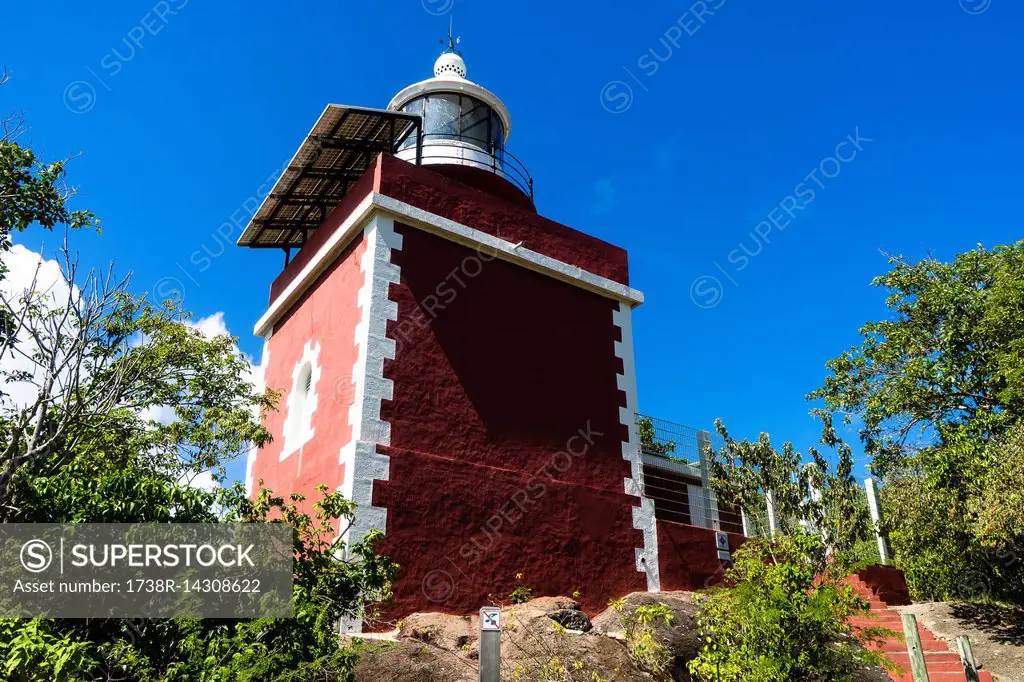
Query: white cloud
(159, 413)
(204, 480)
(23, 263)
(25, 267)
(211, 326)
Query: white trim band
(449, 229)
(643, 515)
(363, 464)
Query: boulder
(571, 619)
(680, 637)
(445, 631)
(436, 647)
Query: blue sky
(675, 136)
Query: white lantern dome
(450, 64)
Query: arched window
(301, 401)
(303, 388)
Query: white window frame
(302, 402)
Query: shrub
(647, 652)
(522, 593)
(784, 618)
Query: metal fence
(676, 477)
(663, 438)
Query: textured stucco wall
(443, 196)
(689, 557)
(506, 439)
(327, 314)
(439, 194)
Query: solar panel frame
(336, 152)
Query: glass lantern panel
(475, 118)
(441, 116)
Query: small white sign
(490, 619)
(722, 541)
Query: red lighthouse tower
(457, 364)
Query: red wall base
(887, 583)
(688, 557)
(464, 531)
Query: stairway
(943, 665)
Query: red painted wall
(499, 370)
(688, 557)
(505, 435)
(327, 313)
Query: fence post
(963, 645)
(913, 637)
(823, 531)
(876, 518)
(770, 503)
(711, 500)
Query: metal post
(815, 498)
(963, 645)
(772, 528)
(698, 499)
(711, 500)
(876, 518)
(917, 666)
(490, 644)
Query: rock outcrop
(545, 638)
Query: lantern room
(464, 124)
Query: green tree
(998, 509)
(936, 388)
(649, 441)
(803, 493)
(784, 614)
(942, 375)
(81, 448)
(32, 192)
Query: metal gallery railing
(468, 150)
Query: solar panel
(337, 151)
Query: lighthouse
(454, 362)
